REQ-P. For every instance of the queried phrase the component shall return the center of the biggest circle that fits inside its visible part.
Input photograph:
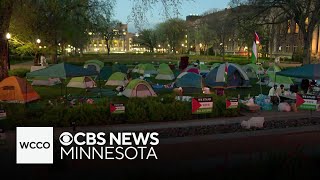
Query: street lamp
(37, 58)
(38, 41)
(8, 36)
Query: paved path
(24, 65)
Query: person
(305, 85)
(280, 91)
(43, 61)
(273, 95)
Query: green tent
(148, 69)
(94, 65)
(117, 79)
(81, 82)
(164, 72)
(253, 70)
(62, 71)
(204, 69)
(214, 66)
(138, 88)
(278, 80)
(137, 68)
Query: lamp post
(36, 61)
(8, 36)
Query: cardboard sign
(3, 114)
(117, 108)
(232, 103)
(202, 105)
(310, 102)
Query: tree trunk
(307, 37)
(5, 15)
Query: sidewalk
(192, 123)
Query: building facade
(120, 41)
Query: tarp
(17, 90)
(138, 88)
(309, 71)
(105, 73)
(40, 81)
(236, 77)
(63, 71)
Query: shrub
(21, 72)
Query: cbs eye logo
(66, 138)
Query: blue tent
(236, 77)
(119, 68)
(191, 80)
(309, 71)
(105, 73)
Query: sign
(202, 105)
(117, 108)
(3, 114)
(232, 103)
(184, 98)
(310, 102)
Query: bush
(21, 72)
(138, 110)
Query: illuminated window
(289, 26)
(288, 48)
(297, 29)
(295, 48)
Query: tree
(306, 13)
(174, 31)
(147, 38)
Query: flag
(299, 100)
(257, 38)
(226, 73)
(254, 53)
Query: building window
(297, 29)
(295, 48)
(289, 26)
(288, 48)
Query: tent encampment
(17, 90)
(164, 72)
(43, 81)
(95, 65)
(81, 82)
(105, 73)
(117, 79)
(138, 88)
(148, 69)
(137, 68)
(236, 77)
(253, 70)
(190, 82)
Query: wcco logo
(34, 145)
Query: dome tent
(278, 79)
(214, 65)
(253, 70)
(164, 72)
(137, 68)
(17, 90)
(81, 82)
(94, 65)
(43, 81)
(204, 69)
(138, 88)
(192, 69)
(148, 69)
(119, 68)
(190, 82)
(117, 79)
(236, 77)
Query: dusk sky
(123, 8)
